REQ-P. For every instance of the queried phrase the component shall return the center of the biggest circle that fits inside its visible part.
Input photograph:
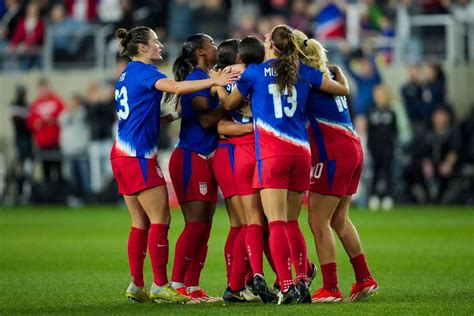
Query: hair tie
(305, 42)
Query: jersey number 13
(291, 101)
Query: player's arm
(230, 101)
(189, 86)
(340, 86)
(227, 127)
(207, 118)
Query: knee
(339, 225)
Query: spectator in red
(27, 37)
(43, 124)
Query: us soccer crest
(203, 188)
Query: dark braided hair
(184, 64)
(129, 40)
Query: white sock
(193, 288)
(176, 285)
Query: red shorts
(337, 177)
(223, 164)
(283, 172)
(136, 174)
(192, 178)
(244, 168)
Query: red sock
(254, 244)
(268, 254)
(193, 274)
(329, 273)
(228, 248)
(188, 246)
(361, 269)
(136, 250)
(240, 263)
(249, 274)
(309, 267)
(298, 249)
(281, 253)
(159, 250)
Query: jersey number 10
(123, 110)
(341, 103)
(288, 109)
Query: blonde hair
(314, 54)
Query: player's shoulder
(197, 74)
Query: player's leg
(155, 203)
(365, 284)
(320, 212)
(299, 253)
(275, 206)
(232, 205)
(136, 249)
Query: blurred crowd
(432, 163)
(25, 24)
(428, 160)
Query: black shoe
(265, 294)
(233, 296)
(276, 288)
(291, 296)
(312, 275)
(305, 295)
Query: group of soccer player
(264, 121)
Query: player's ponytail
(314, 54)
(129, 40)
(287, 52)
(227, 53)
(185, 63)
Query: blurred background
(410, 65)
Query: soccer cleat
(137, 294)
(184, 292)
(362, 290)
(291, 296)
(326, 296)
(305, 295)
(234, 296)
(276, 289)
(202, 296)
(312, 275)
(166, 294)
(262, 290)
(250, 295)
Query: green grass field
(61, 261)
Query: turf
(61, 261)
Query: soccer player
(223, 163)
(279, 88)
(190, 165)
(250, 242)
(336, 166)
(134, 158)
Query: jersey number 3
(123, 109)
(289, 109)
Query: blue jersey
(279, 120)
(331, 126)
(193, 136)
(242, 114)
(138, 109)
